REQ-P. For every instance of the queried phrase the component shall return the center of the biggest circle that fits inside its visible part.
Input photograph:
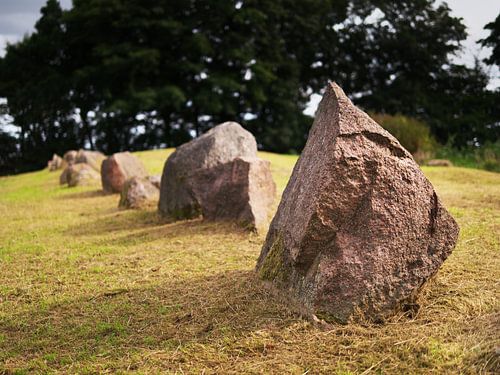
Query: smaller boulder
(81, 174)
(439, 163)
(118, 168)
(70, 156)
(55, 163)
(138, 192)
(92, 158)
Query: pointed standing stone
(359, 228)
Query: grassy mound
(87, 288)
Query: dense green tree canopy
(136, 74)
(493, 41)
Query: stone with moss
(360, 227)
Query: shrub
(413, 134)
(486, 156)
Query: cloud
(18, 17)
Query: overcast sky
(18, 17)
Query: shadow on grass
(148, 225)
(83, 194)
(114, 327)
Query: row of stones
(217, 176)
(359, 229)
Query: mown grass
(87, 288)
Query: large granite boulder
(55, 163)
(92, 158)
(359, 229)
(118, 168)
(220, 145)
(138, 192)
(81, 174)
(240, 191)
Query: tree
(408, 51)
(136, 74)
(32, 78)
(493, 41)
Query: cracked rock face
(241, 191)
(359, 229)
(118, 168)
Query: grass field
(87, 288)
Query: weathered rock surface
(70, 156)
(359, 229)
(439, 163)
(55, 163)
(81, 174)
(92, 158)
(63, 178)
(118, 168)
(138, 192)
(241, 191)
(220, 145)
(155, 180)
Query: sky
(18, 17)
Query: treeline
(120, 75)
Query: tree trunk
(88, 130)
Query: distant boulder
(55, 163)
(92, 158)
(119, 167)
(138, 192)
(439, 163)
(70, 156)
(81, 174)
(220, 145)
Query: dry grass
(86, 288)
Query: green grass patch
(485, 157)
